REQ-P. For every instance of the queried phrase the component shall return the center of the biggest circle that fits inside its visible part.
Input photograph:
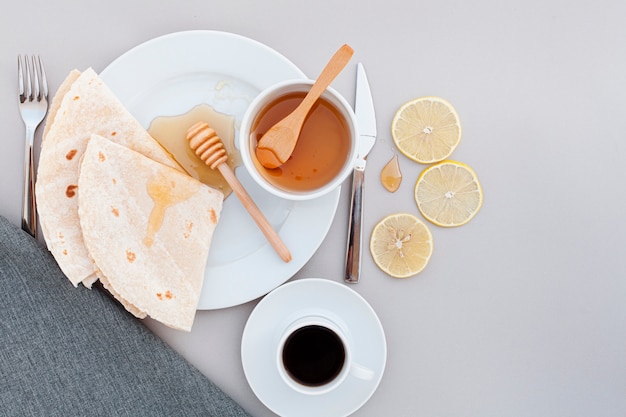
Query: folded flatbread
(83, 105)
(148, 228)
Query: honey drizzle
(164, 193)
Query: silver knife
(366, 121)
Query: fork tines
(32, 70)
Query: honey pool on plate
(170, 132)
(322, 148)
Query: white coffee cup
(314, 356)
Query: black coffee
(313, 355)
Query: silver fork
(33, 104)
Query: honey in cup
(322, 150)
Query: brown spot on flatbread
(113, 133)
(70, 191)
(114, 181)
(115, 211)
(130, 256)
(64, 251)
(168, 295)
(101, 157)
(213, 216)
(76, 98)
(188, 227)
(71, 154)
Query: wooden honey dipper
(208, 146)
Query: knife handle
(355, 239)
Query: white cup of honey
(326, 150)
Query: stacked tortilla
(115, 206)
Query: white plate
(170, 75)
(296, 299)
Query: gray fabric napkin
(68, 351)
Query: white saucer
(300, 298)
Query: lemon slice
(426, 129)
(448, 194)
(401, 245)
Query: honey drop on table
(390, 176)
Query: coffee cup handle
(361, 372)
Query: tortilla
(148, 228)
(58, 98)
(83, 105)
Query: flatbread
(148, 228)
(57, 99)
(84, 105)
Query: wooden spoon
(278, 143)
(209, 147)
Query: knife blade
(366, 121)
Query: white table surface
(521, 312)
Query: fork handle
(29, 212)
